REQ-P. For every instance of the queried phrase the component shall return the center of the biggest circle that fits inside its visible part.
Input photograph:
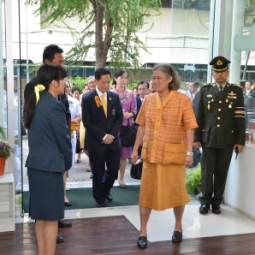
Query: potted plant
(5, 150)
(194, 181)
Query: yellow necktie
(104, 104)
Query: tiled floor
(161, 224)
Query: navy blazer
(49, 142)
(139, 104)
(194, 100)
(96, 123)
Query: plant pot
(2, 165)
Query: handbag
(128, 135)
(136, 170)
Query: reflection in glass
(190, 40)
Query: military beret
(220, 64)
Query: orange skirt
(163, 186)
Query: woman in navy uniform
(50, 154)
(220, 116)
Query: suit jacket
(96, 123)
(194, 100)
(29, 90)
(139, 104)
(49, 143)
(250, 94)
(220, 117)
(249, 103)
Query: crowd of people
(64, 121)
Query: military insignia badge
(219, 62)
(232, 95)
(210, 100)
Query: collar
(193, 94)
(223, 86)
(100, 93)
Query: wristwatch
(189, 153)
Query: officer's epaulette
(235, 85)
(207, 85)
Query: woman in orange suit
(166, 129)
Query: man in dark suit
(249, 101)
(220, 116)
(193, 88)
(143, 90)
(102, 117)
(53, 55)
(248, 91)
(194, 92)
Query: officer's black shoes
(203, 209)
(216, 209)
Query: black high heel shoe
(68, 203)
(142, 242)
(177, 237)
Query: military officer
(220, 116)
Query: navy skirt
(46, 195)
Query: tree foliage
(108, 26)
(249, 12)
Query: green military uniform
(221, 120)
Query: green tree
(249, 12)
(111, 27)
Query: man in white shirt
(75, 111)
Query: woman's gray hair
(168, 70)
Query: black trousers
(103, 179)
(214, 164)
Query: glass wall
(3, 87)
(184, 35)
(10, 106)
(190, 28)
(244, 47)
(180, 36)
